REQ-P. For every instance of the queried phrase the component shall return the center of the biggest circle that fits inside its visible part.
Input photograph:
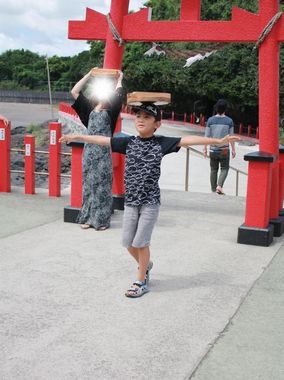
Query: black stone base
(70, 214)
(118, 202)
(278, 224)
(256, 236)
(281, 212)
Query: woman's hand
(67, 139)
(5, 121)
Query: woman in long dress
(99, 115)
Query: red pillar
(54, 162)
(269, 100)
(257, 207)
(29, 164)
(113, 60)
(5, 146)
(113, 51)
(257, 230)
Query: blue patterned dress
(97, 163)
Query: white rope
(268, 29)
(114, 31)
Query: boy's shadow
(201, 280)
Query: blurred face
(146, 124)
(101, 90)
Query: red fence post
(257, 132)
(71, 212)
(29, 164)
(54, 161)
(241, 129)
(249, 130)
(5, 145)
(202, 120)
(281, 179)
(76, 175)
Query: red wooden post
(268, 101)
(113, 60)
(118, 161)
(173, 115)
(281, 179)
(249, 130)
(29, 141)
(202, 120)
(256, 229)
(5, 146)
(54, 162)
(257, 207)
(76, 175)
(190, 10)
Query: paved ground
(215, 309)
(24, 113)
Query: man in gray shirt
(219, 126)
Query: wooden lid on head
(157, 98)
(105, 72)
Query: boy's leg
(144, 257)
(134, 253)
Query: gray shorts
(138, 225)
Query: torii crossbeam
(263, 218)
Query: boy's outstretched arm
(200, 140)
(91, 139)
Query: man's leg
(214, 166)
(224, 164)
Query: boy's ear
(158, 124)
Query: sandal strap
(139, 283)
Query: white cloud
(42, 26)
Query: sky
(42, 26)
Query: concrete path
(215, 309)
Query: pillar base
(255, 236)
(118, 202)
(278, 224)
(71, 214)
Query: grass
(40, 133)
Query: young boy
(142, 172)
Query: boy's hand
(228, 139)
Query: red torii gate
(263, 218)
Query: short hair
(221, 106)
